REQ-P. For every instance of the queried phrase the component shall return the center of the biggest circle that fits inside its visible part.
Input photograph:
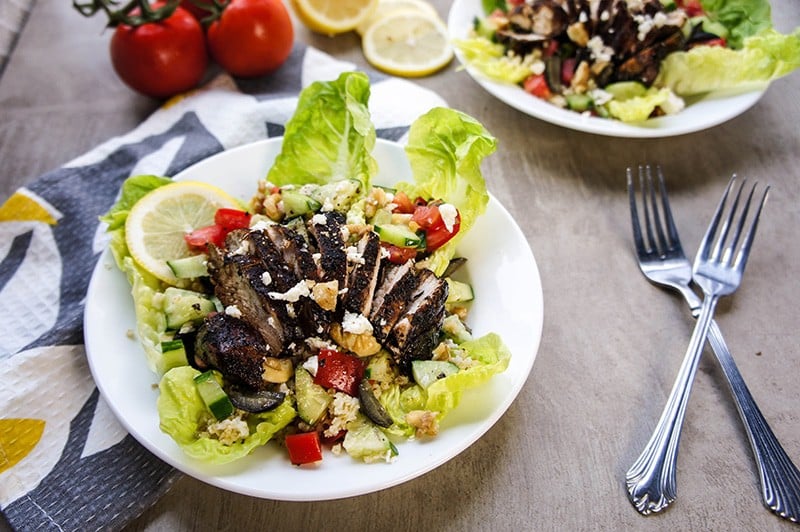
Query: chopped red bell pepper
(339, 371)
(304, 448)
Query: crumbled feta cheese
(261, 225)
(356, 323)
(319, 219)
(354, 256)
(449, 213)
(233, 311)
(301, 289)
(600, 97)
(266, 278)
(312, 365)
(599, 50)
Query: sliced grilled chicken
(238, 283)
(233, 347)
(326, 231)
(391, 297)
(363, 264)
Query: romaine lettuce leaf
(445, 149)
(180, 409)
(638, 108)
(763, 58)
(132, 191)
(330, 136)
(151, 322)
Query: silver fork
(651, 480)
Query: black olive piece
(371, 407)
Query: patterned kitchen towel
(65, 462)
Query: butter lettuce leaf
(741, 18)
(763, 58)
(445, 149)
(638, 108)
(132, 191)
(491, 357)
(181, 412)
(330, 137)
(491, 60)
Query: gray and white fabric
(65, 461)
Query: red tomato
(427, 216)
(693, 8)
(304, 448)
(339, 371)
(536, 84)
(438, 235)
(251, 37)
(230, 219)
(398, 255)
(403, 202)
(719, 41)
(160, 59)
(211, 234)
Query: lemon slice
(333, 16)
(385, 7)
(408, 43)
(156, 226)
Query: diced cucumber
(366, 441)
(297, 204)
(579, 102)
(173, 354)
(190, 267)
(458, 292)
(184, 306)
(400, 235)
(382, 217)
(312, 399)
(213, 395)
(625, 90)
(426, 372)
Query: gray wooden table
(611, 345)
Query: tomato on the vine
(160, 59)
(251, 37)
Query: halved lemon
(385, 7)
(156, 226)
(333, 16)
(408, 43)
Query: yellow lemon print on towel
(18, 437)
(21, 207)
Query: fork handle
(780, 479)
(651, 479)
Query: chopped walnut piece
(362, 345)
(424, 421)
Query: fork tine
(637, 229)
(655, 217)
(718, 253)
(704, 250)
(727, 256)
(672, 230)
(744, 253)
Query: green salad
(325, 313)
(629, 60)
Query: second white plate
(701, 113)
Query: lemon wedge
(333, 16)
(157, 223)
(385, 7)
(408, 43)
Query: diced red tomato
(231, 219)
(304, 448)
(536, 84)
(339, 371)
(202, 237)
(438, 235)
(719, 41)
(568, 70)
(403, 202)
(427, 216)
(693, 8)
(398, 255)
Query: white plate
(700, 113)
(501, 268)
